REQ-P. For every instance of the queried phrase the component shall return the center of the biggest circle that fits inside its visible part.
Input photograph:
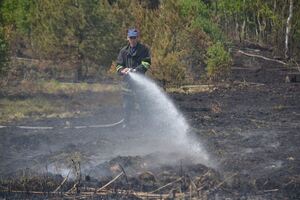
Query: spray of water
(168, 130)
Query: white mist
(168, 131)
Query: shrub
(170, 70)
(218, 62)
(3, 55)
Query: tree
(218, 62)
(3, 53)
(288, 29)
(16, 23)
(272, 22)
(76, 31)
(3, 46)
(179, 33)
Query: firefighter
(135, 56)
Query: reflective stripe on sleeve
(119, 67)
(146, 64)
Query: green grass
(13, 110)
(54, 87)
(37, 106)
(191, 89)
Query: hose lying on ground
(66, 127)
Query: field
(249, 126)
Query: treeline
(274, 23)
(187, 37)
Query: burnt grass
(249, 125)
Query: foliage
(200, 17)
(259, 21)
(168, 50)
(3, 56)
(177, 46)
(163, 30)
(20, 109)
(80, 31)
(38, 106)
(3, 53)
(87, 35)
(15, 13)
(218, 62)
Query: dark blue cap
(132, 32)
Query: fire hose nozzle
(127, 70)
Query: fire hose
(68, 126)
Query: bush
(218, 62)
(3, 55)
(170, 70)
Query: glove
(125, 71)
(140, 69)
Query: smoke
(166, 129)
(160, 135)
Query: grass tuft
(31, 99)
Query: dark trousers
(134, 100)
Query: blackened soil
(252, 130)
(250, 127)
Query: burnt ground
(249, 125)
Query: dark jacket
(138, 58)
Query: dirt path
(250, 127)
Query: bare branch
(259, 56)
(179, 179)
(110, 182)
(63, 182)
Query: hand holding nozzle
(126, 70)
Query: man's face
(132, 41)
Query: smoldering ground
(84, 150)
(251, 128)
(161, 131)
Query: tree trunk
(79, 69)
(78, 73)
(237, 32)
(273, 34)
(275, 6)
(288, 29)
(260, 29)
(243, 26)
(226, 23)
(242, 35)
(216, 8)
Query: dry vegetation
(49, 99)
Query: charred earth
(248, 125)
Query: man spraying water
(164, 128)
(133, 57)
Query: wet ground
(249, 126)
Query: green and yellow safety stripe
(119, 67)
(146, 64)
